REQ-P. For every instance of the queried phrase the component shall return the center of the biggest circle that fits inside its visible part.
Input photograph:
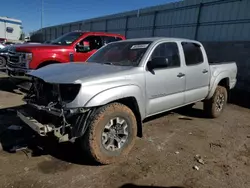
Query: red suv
(76, 46)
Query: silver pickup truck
(104, 101)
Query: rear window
(193, 53)
(108, 39)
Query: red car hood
(32, 47)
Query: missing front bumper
(39, 128)
(42, 129)
(65, 128)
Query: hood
(30, 47)
(76, 72)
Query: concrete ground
(164, 157)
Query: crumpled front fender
(116, 93)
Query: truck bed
(220, 62)
(230, 68)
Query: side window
(91, 43)
(108, 39)
(168, 54)
(192, 52)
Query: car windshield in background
(67, 39)
(5, 49)
(121, 53)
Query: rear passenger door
(165, 85)
(197, 72)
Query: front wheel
(215, 106)
(2, 62)
(111, 133)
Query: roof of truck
(97, 32)
(170, 39)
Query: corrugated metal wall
(204, 20)
(222, 25)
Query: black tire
(92, 140)
(215, 106)
(2, 62)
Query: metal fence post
(50, 34)
(106, 25)
(55, 33)
(80, 26)
(70, 27)
(126, 26)
(154, 23)
(43, 38)
(90, 27)
(198, 21)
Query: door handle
(205, 71)
(180, 75)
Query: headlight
(69, 92)
(28, 57)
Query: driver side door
(95, 42)
(165, 83)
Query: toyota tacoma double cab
(76, 46)
(103, 102)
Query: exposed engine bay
(46, 110)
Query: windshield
(67, 39)
(121, 53)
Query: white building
(10, 29)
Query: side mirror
(83, 47)
(158, 62)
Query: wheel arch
(48, 62)
(221, 80)
(225, 82)
(132, 103)
(129, 95)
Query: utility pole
(41, 14)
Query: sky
(63, 11)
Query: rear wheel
(215, 106)
(111, 133)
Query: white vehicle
(1, 46)
(104, 101)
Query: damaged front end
(46, 111)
